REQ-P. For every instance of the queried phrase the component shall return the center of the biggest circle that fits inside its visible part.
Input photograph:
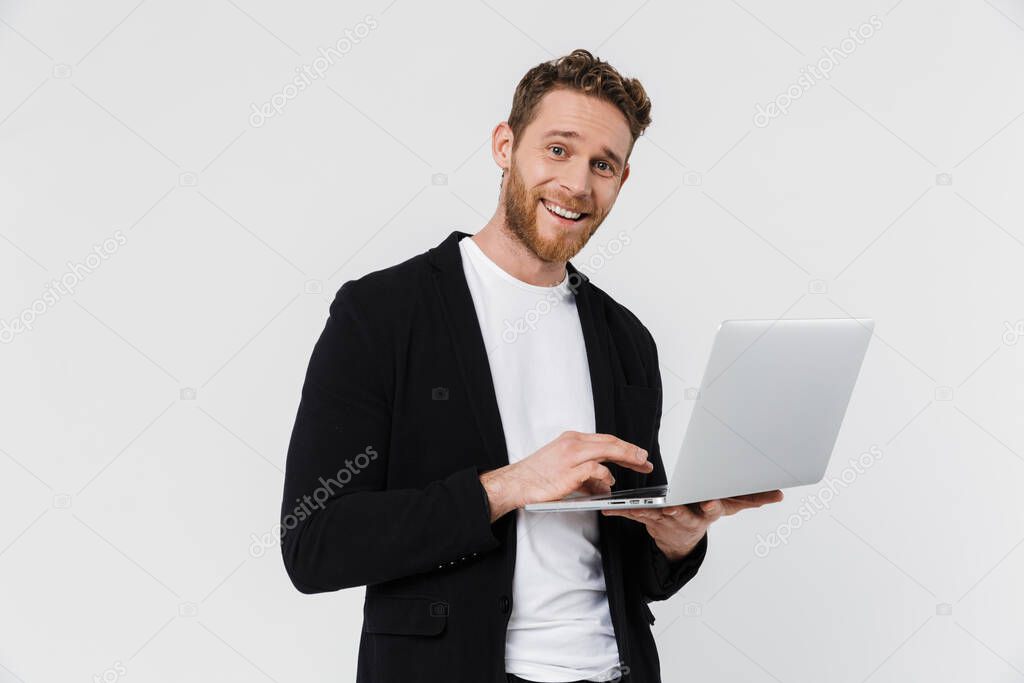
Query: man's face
(580, 172)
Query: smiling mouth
(581, 216)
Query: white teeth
(564, 213)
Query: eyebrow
(574, 135)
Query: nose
(575, 178)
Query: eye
(604, 167)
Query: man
(450, 390)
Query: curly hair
(582, 72)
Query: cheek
(539, 175)
(605, 201)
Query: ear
(501, 145)
(625, 174)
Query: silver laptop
(766, 416)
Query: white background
(130, 544)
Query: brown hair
(585, 73)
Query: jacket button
(503, 604)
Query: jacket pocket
(414, 615)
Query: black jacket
(397, 419)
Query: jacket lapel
(460, 315)
(593, 323)
(599, 357)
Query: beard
(521, 221)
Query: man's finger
(761, 498)
(597, 437)
(754, 500)
(682, 513)
(656, 516)
(637, 515)
(619, 452)
(629, 514)
(595, 487)
(711, 510)
(711, 506)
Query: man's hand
(676, 530)
(570, 463)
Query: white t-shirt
(560, 628)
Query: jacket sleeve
(340, 524)
(660, 578)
